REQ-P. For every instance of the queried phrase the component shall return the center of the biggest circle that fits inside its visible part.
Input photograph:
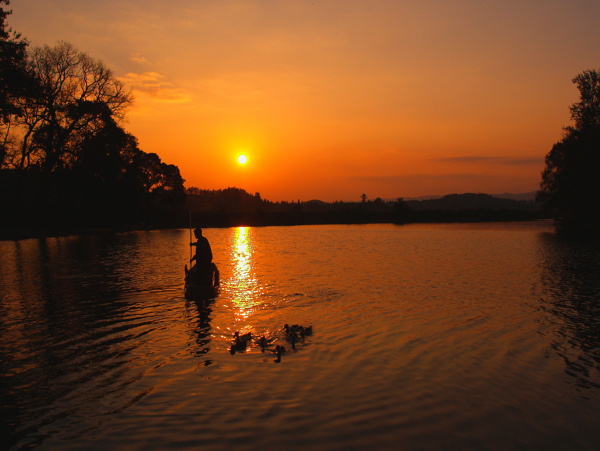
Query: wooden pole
(190, 237)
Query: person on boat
(203, 256)
(205, 269)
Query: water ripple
(424, 337)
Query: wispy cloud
(155, 85)
(138, 58)
(468, 159)
(524, 161)
(493, 160)
(417, 177)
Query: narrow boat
(201, 284)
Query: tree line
(235, 207)
(65, 160)
(570, 186)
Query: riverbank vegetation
(65, 161)
(570, 186)
(236, 207)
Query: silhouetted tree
(15, 79)
(192, 190)
(75, 95)
(586, 112)
(102, 174)
(401, 210)
(65, 160)
(570, 183)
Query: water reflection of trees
(70, 331)
(571, 294)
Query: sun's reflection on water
(242, 256)
(244, 284)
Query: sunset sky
(332, 99)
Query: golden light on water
(244, 282)
(241, 256)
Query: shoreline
(18, 234)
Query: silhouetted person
(204, 268)
(203, 254)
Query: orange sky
(332, 99)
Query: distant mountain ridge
(529, 196)
(472, 201)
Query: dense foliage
(65, 161)
(570, 185)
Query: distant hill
(518, 196)
(420, 198)
(472, 201)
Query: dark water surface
(425, 337)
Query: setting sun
(350, 110)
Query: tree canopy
(570, 184)
(70, 97)
(13, 61)
(65, 160)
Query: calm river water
(464, 336)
